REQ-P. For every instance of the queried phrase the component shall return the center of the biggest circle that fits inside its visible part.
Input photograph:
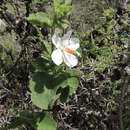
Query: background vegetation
(35, 94)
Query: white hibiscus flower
(65, 49)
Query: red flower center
(69, 50)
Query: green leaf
(63, 10)
(39, 19)
(66, 92)
(47, 123)
(61, 2)
(58, 2)
(73, 84)
(43, 87)
(64, 23)
(73, 80)
(25, 117)
(74, 72)
(43, 91)
(48, 47)
(41, 64)
(68, 2)
(68, 86)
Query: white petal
(73, 43)
(65, 39)
(57, 56)
(70, 60)
(65, 42)
(67, 35)
(56, 40)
